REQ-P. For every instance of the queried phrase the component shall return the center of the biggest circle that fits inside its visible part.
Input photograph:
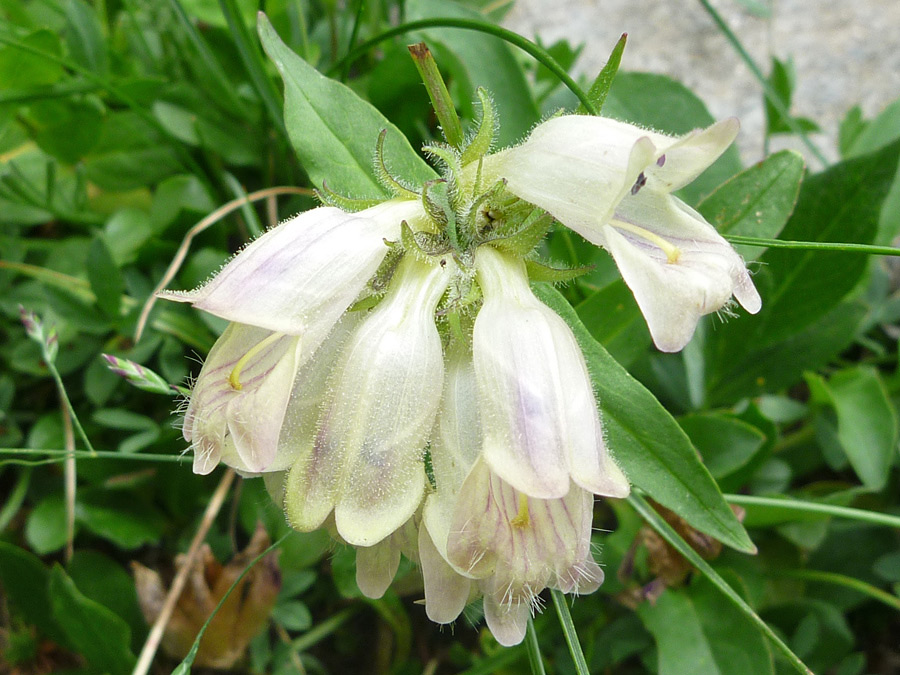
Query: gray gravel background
(845, 52)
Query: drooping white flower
(299, 277)
(240, 398)
(478, 532)
(366, 462)
(284, 293)
(541, 424)
(611, 182)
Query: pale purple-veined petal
(299, 277)
(540, 418)
(367, 461)
(575, 167)
(591, 172)
(678, 267)
(377, 565)
(239, 400)
(517, 545)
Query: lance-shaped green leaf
(99, 635)
(647, 442)
(600, 88)
(333, 131)
(866, 422)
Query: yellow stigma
(235, 374)
(673, 253)
(521, 520)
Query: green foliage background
(124, 123)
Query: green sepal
(449, 157)
(349, 204)
(486, 130)
(422, 243)
(520, 229)
(601, 86)
(538, 271)
(436, 203)
(395, 186)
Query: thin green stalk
(526, 45)
(769, 92)
(670, 535)
(873, 517)
(534, 649)
(819, 576)
(868, 249)
(568, 626)
(85, 454)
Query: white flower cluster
(415, 396)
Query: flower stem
(568, 626)
(862, 515)
(815, 245)
(670, 535)
(437, 92)
(818, 576)
(534, 649)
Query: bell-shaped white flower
(239, 400)
(611, 182)
(253, 406)
(541, 423)
(299, 277)
(366, 462)
(478, 531)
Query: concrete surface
(845, 52)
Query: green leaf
(758, 201)
(333, 131)
(651, 448)
(85, 37)
(66, 129)
(738, 367)
(614, 319)
(106, 279)
(119, 518)
(877, 133)
(782, 80)
(682, 648)
(24, 579)
(45, 529)
(293, 615)
(20, 69)
(488, 62)
(600, 88)
(102, 579)
(94, 631)
(841, 204)
(698, 632)
(866, 422)
(726, 443)
(659, 102)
